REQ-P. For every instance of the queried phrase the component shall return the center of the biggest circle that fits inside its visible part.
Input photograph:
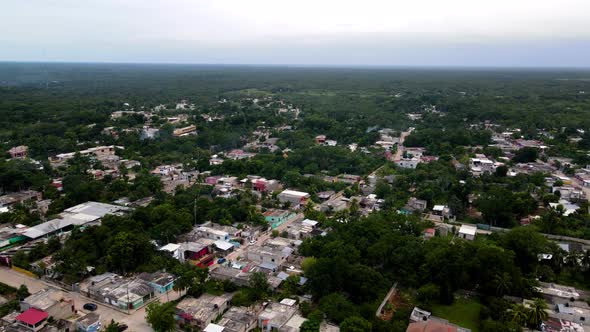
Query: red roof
(32, 316)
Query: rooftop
(32, 316)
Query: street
(400, 146)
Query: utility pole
(195, 210)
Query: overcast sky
(309, 32)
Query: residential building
(410, 163)
(19, 152)
(481, 165)
(577, 313)
(55, 303)
(89, 322)
(162, 282)
(200, 312)
(269, 253)
(125, 293)
(238, 319)
(415, 204)
(189, 130)
(276, 217)
(560, 325)
(467, 232)
(568, 207)
(238, 154)
(325, 195)
(236, 276)
(213, 233)
(295, 198)
(32, 319)
(20, 197)
(300, 230)
(276, 315)
(264, 185)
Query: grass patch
(464, 312)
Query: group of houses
(48, 310)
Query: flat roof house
(55, 303)
(162, 282)
(295, 198)
(200, 312)
(467, 232)
(238, 319)
(19, 152)
(276, 315)
(276, 217)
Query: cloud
(304, 31)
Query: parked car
(221, 260)
(252, 241)
(123, 327)
(90, 306)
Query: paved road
(400, 146)
(135, 320)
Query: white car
(252, 241)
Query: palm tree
(519, 314)
(571, 259)
(537, 312)
(502, 282)
(586, 260)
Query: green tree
(112, 327)
(519, 314)
(336, 307)
(22, 292)
(310, 325)
(258, 282)
(355, 324)
(537, 313)
(160, 316)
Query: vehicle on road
(252, 241)
(90, 306)
(221, 260)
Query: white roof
(438, 208)
(289, 302)
(214, 328)
(468, 229)
(309, 222)
(47, 227)
(295, 193)
(170, 247)
(223, 245)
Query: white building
(467, 232)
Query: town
(256, 211)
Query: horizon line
(301, 65)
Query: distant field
(464, 313)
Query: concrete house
(19, 152)
(276, 315)
(467, 232)
(55, 303)
(200, 312)
(295, 198)
(276, 217)
(238, 319)
(162, 282)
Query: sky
(498, 33)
